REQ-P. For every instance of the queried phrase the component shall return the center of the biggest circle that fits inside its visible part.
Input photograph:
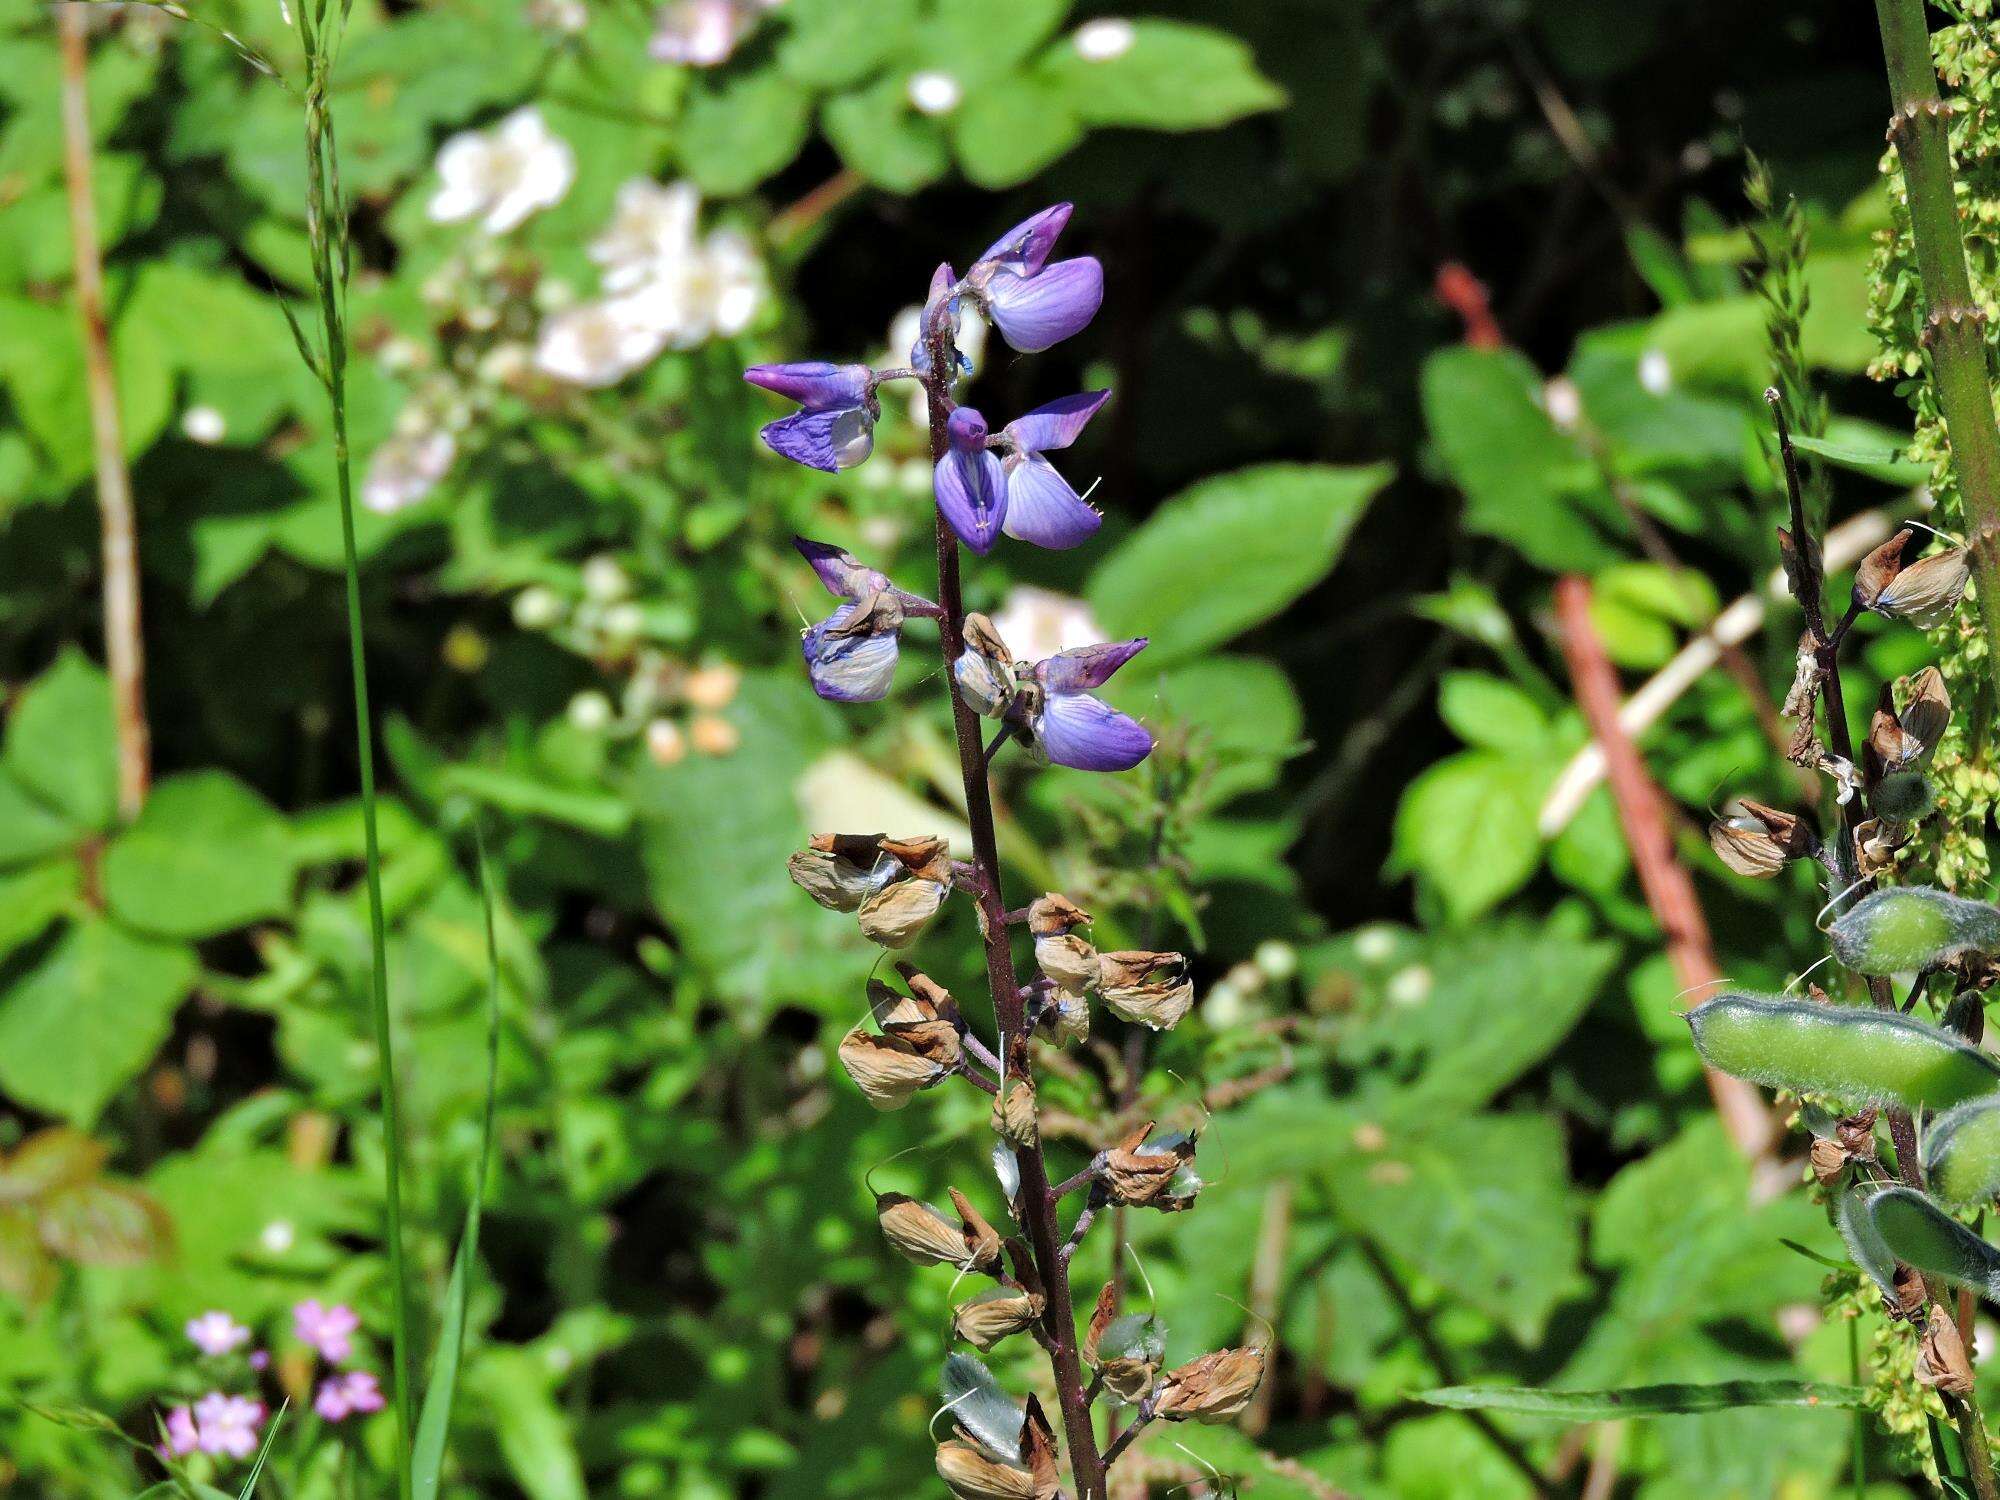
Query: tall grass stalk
(320, 26)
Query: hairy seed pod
(1902, 797)
(1149, 989)
(1927, 591)
(996, 1313)
(896, 915)
(1912, 927)
(1864, 1245)
(1962, 1152)
(971, 1475)
(1214, 1388)
(1843, 1050)
(888, 1073)
(1927, 1239)
(1014, 1113)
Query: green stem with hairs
(323, 195)
(1954, 329)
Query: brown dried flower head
(1927, 591)
(1067, 1016)
(927, 1237)
(1152, 1174)
(896, 915)
(1214, 1388)
(1067, 959)
(995, 1314)
(1150, 989)
(1941, 1358)
(985, 672)
(918, 1021)
(1126, 1351)
(1759, 840)
(1926, 709)
(1054, 913)
(1014, 1113)
(888, 1072)
(842, 870)
(1879, 569)
(970, 1474)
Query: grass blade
(434, 1422)
(263, 1452)
(1645, 1400)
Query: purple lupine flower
(182, 1437)
(216, 1333)
(942, 307)
(851, 654)
(330, 1330)
(1032, 302)
(836, 430)
(228, 1424)
(970, 483)
(353, 1394)
(1041, 505)
(1071, 727)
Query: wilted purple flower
(182, 1438)
(851, 654)
(1074, 729)
(353, 1394)
(228, 1424)
(1033, 303)
(1041, 507)
(837, 428)
(330, 1330)
(970, 483)
(216, 1333)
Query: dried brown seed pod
(1014, 1113)
(1155, 1174)
(1150, 989)
(888, 1072)
(1214, 1388)
(996, 1313)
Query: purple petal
(972, 492)
(1055, 425)
(831, 440)
(1027, 245)
(1086, 666)
(1078, 730)
(1043, 509)
(840, 570)
(849, 668)
(815, 384)
(1034, 312)
(967, 429)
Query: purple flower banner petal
(1035, 312)
(1056, 425)
(1043, 509)
(1080, 731)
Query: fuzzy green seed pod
(1857, 1232)
(1926, 1238)
(1962, 1152)
(1903, 797)
(1912, 927)
(1852, 1053)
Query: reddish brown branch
(124, 653)
(1643, 815)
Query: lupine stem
(320, 204)
(1955, 325)
(1036, 1202)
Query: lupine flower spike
(836, 429)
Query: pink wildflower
(330, 1330)
(216, 1333)
(355, 1393)
(228, 1424)
(182, 1439)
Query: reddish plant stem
(124, 654)
(1642, 814)
(1036, 1202)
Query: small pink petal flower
(182, 1439)
(355, 1393)
(228, 1424)
(216, 1333)
(330, 1330)
(260, 1359)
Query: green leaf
(30, 830)
(836, 43)
(1010, 129)
(1264, 535)
(1524, 482)
(736, 134)
(1173, 77)
(532, 1430)
(78, 1028)
(32, 898)
(60, 742)
(1866, 449)
(1646, 1400)
(882, 137)
(206, 855)
(1468, 827)
(1491, 712)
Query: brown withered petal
(912, 1021)
(924, 856)
(1856, 1133)
(1747, 847)
(1149, 989)
(1926, 709)
(995, 1315)
(1941, 1359)
(896, 915)
(1053, 913)
(1890, 746)
(1101, 1315)
(1014, 1113)
(982, 1240)
(888, 1072)
(924, 1235)
(1067, 959)
(971, 1475)
(1214, 1388)
(1068, 1016)
(1927, 591)
(928, 991)
(1143, 1179)
(1879, 569)
(1038, 1450)
(833, 880)
(1829, 1160)
(1877, 841)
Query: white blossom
(704, 33)
(501, 176)
(600, 343)
(1101, 41)
(407, 468)
(933, 93)
(1038, 623)
(203, 424)
(652, 229)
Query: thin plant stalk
(124, 650)
(326, 222)
(1955, 326)
(1036, 1201)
